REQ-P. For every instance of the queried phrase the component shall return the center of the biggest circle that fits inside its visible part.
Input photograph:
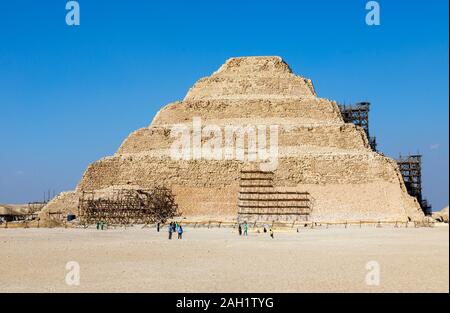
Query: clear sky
(70, 95)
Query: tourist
(174, 225)
(170, 230)
(240, 230)
(180, 232)
(157, 227)
(271, 232)
(245, 229)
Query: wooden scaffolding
(358, 114)
(411, 169)
(34, 207)
(258, 200)
(127, 206)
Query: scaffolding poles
(410, 166)
(127, 206)
(411, 169)
(259, 200)
(358, 114)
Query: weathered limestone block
(441, 216)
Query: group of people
(243, 230)
(101, 225)
(270, 231)
(174, 227)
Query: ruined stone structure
(318, 152)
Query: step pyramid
(317, 152)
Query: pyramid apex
(252, 77)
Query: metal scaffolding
(358, 114)
(411, 169)
(258, 199)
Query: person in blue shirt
(180, 232)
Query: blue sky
(70, 95)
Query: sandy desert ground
(218, 260)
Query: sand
(218, 260)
